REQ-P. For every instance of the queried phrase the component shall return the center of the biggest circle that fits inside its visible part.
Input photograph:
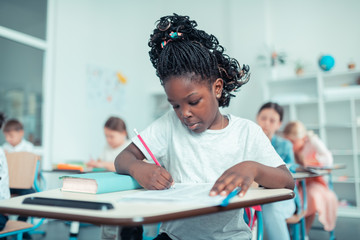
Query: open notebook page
(181, 192)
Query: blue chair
(150, 235)
(296, 222)
(249, 217)
(330, 185)
(18, 228)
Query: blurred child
(309, 150)
(14, 136)
(117, 139)
(4, 179)
(270, 118)
(194, 142)
(15, 142)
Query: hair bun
(163, 25)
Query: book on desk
(98, 182)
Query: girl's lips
(192, 126)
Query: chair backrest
(22, 169)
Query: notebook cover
(106, 181)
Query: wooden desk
(133, 213)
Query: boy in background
(14, 136)
(15, 142)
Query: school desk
(330, 168)
(326, 170)
(303, 175)
(132, 213)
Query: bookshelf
(329, 104)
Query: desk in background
(133, 213)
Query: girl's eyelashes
(193, 103)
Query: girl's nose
(185, 112)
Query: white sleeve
(156, 138)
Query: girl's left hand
(241, 175)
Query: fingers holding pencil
(153, 177)
(160, 178)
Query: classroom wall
(114, 36)
(307, 29)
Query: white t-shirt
(203, 158)
(109, 154)
(23, 146)
(4, 177)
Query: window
(22, 23)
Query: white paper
(182, 192)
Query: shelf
(311, 77)
(329, 104)
(339, 125)
(340, 74)
(349, 180)
(348, 211)
(289, 99)
(342, 152)
(341, 93)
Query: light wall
(114, 35)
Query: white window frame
(48, 72)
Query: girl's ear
(217, 87)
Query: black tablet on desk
(68, 203)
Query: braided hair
(179, 48)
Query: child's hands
(152, 176)
(93, 164)
(241, 175)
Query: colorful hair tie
(164, 43)
(173, 35)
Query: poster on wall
(106, 88)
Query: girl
(309, 150)
(117, 139)
(4, 179)
(269, 118)
(195, 142)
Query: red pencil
(147, 148)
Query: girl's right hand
(151, 176)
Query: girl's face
(114, 138)
(194, 103)
(269, 121)
(298, 143)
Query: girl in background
(309, 150)
(270, 118)
(117, 140)
(194, 142)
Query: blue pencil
(226, 201)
